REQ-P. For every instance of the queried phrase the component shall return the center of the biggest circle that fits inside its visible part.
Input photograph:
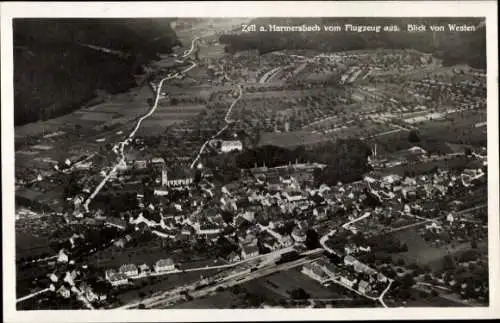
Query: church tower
(164, 177)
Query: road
(226, 120)
(381, 297)
(120, 147)
(32, 295)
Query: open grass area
(421, 253)
(222, 300)
(278, 285)
(291, 139)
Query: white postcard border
(486, 9)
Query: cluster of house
(66, 279)
(351, 273)
(467, 93)
(131, 271)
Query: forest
(452, 47)
(55, 70)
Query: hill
(60, 63)
(452, 47)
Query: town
(284, 179)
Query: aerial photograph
(250, 163)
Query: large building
(231, 145)
(176, 177)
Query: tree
(299, 293)
(413, 136)
(473, 244)
(312, 239)
(448, 262)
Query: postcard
(224, 161)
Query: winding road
(120, 147)
(226, 120)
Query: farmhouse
(163, 265)
(248, 251)
(129, 270)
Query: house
(144, 269)
(286, 241)
(363, 268)
(365, 249)
(159, 191)
(157, 161)
(163, 265)
(206, 229)
(248, 251)
(348, 281)
(118, 279)
(364, 287)
(270, 242)
(299, 235)
(233, 257)
(109, 273)
(53, 277)
(314, 271)
(177, 177)
(249, 240)
(434, 226)
(140, 164)
(89, 293)
(231, 145)
(69, 277)
(62, 256)
(350, 249)
(129, 270)
(294, 197)
(64, 291)
(349, 261)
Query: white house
(348, 281)
(62, 256)
(129, 270)
(164, 265)
(64, 292)
(364, 287)
(248, 251)
(118, 279)
(299, 235)
(231, 145)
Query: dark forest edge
(453, 47)
(56, 73)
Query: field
(291, 139)
(277, 285)
(221, 300)
(432, 302)
(28, 245)
(421, 253)
(425, 167)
